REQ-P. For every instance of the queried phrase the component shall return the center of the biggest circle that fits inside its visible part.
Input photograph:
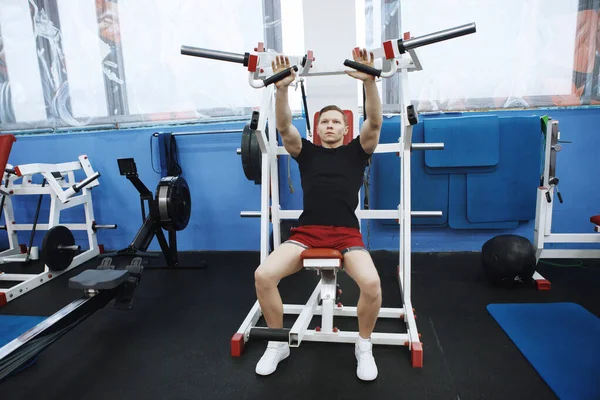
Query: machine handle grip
(559, 196)
(86, 181)
(362, 68)
(76, 188)
(280, 75)
(548, 198)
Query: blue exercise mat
(12, 326)
(429, 192)
(457, 208)
(509, 193)
(471, 144)
(560, 340)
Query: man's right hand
(279, 64)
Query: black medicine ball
(508, 260)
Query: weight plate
(256, 165)
(55, 258)
(174, 202)
(251, 155)
(246, 152)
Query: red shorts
(340, 238)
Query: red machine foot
(2, 299)
(417, 354)
(543, 284)
(237, 345)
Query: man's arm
(369, 133)
(292, 140)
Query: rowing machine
(119, 273)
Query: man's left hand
(361, 56)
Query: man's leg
(282, 262)
(359, 266)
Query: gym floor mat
(12, 326)
(560, 340)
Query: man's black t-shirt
(331, 179)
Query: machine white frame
(63, 196)
(271, 213)
(544, 207)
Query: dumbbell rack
(65, 192)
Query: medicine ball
(508, 260)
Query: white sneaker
(276, 351)
(366, 369)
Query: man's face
(332, 128)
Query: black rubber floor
(175, 343)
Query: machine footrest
(124, 300)
(104, 279)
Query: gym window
(108, 64)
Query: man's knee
(263, 279)
(268, 274)
(371, 287)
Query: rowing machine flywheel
(174, 202)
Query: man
(331, 177)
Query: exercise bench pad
(321, 253)
(105, 279)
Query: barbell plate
(246, 152)
(251, 155)
(55, 257)
(256, 165)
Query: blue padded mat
(509, 194)
(429, 192)
(471, 144)
(12, 326)
(560, 340)
(457, 208)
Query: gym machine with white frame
(396, 56)
(119, 273)
(543, 218)
(59, 252)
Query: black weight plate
(246, 152)
(52, 256)
(251, 155)
(256, 159)
(174, 202)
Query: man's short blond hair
(333, 108)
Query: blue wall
(220, 190)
